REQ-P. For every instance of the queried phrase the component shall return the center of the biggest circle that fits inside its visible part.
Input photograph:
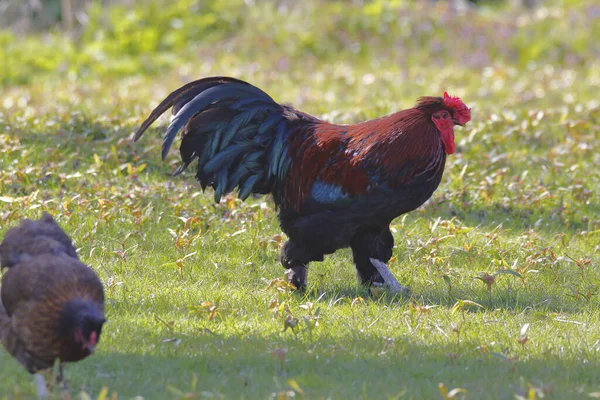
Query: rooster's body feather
(335, 185)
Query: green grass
(520, 194)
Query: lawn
(196, 302)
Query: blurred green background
(521, 193)
(116, 38)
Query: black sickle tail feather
(238, 133)
(180, 97)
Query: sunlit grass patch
(502, 262)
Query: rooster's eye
(445, 115)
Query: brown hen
(52, 304)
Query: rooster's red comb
(461, 112)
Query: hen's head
(445, 112)
(82, 324)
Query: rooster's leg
(61, 373)
(295, 259)
(372, 249)
(376, 242)
(42, 389)
(60, 379)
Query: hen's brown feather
(30, 238)
(36, 292)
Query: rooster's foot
(42, 389)
(297, 276)
(388, 278)
(64, 387)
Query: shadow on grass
(509, 299)
(360, 366)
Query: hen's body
(35, 297)
(52, 305)
(335, 186)
(30, 238)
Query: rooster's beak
(456, 122)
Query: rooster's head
(446, 112)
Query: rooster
(52, 305)
(335, 186)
